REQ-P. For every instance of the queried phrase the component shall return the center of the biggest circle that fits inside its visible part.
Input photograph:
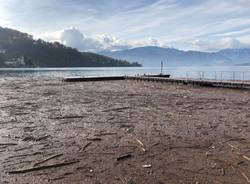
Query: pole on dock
(243, 76)
(161, 67)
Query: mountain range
(19, 49)
(152, 56)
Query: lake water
(221, 72)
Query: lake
(208, 72)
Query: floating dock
(207, 83)
(93, 79)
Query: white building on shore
(16, 62)
(2, 51)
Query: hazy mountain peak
(152, 55)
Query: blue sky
(94, 25)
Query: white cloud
(214, 45)
(175, 22)
(148, 42)
(74, 38)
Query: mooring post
(161, 67)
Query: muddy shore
(122, 132)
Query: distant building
(14, 62)
(2, 51)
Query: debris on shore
(122, 132)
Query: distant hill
(243, 64)
(152, 56)
(21, 50)
(237, 56)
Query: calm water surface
(224, 72)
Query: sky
(96, 25)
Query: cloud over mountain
(219, 44)
(74, 38)
(118, 24)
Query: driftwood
(245, 176)
(25, 155)
(58, 178)
(147, 166)
(116, 109)
(199, 172)
(24, 148)
(94, 139)
(123, 180)
(7, 122)
(223, 172)
(191, 147)
(88, 144)
(245, 157)
(8, 144)
(102, 153)
(42, 167)
(234, 139)
(31, 138)
(67, 117)
(103, 134)
(47, 159)
(141, 145)
(234, 147)
(123, 157)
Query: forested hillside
(21, 50)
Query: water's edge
(225, 72)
